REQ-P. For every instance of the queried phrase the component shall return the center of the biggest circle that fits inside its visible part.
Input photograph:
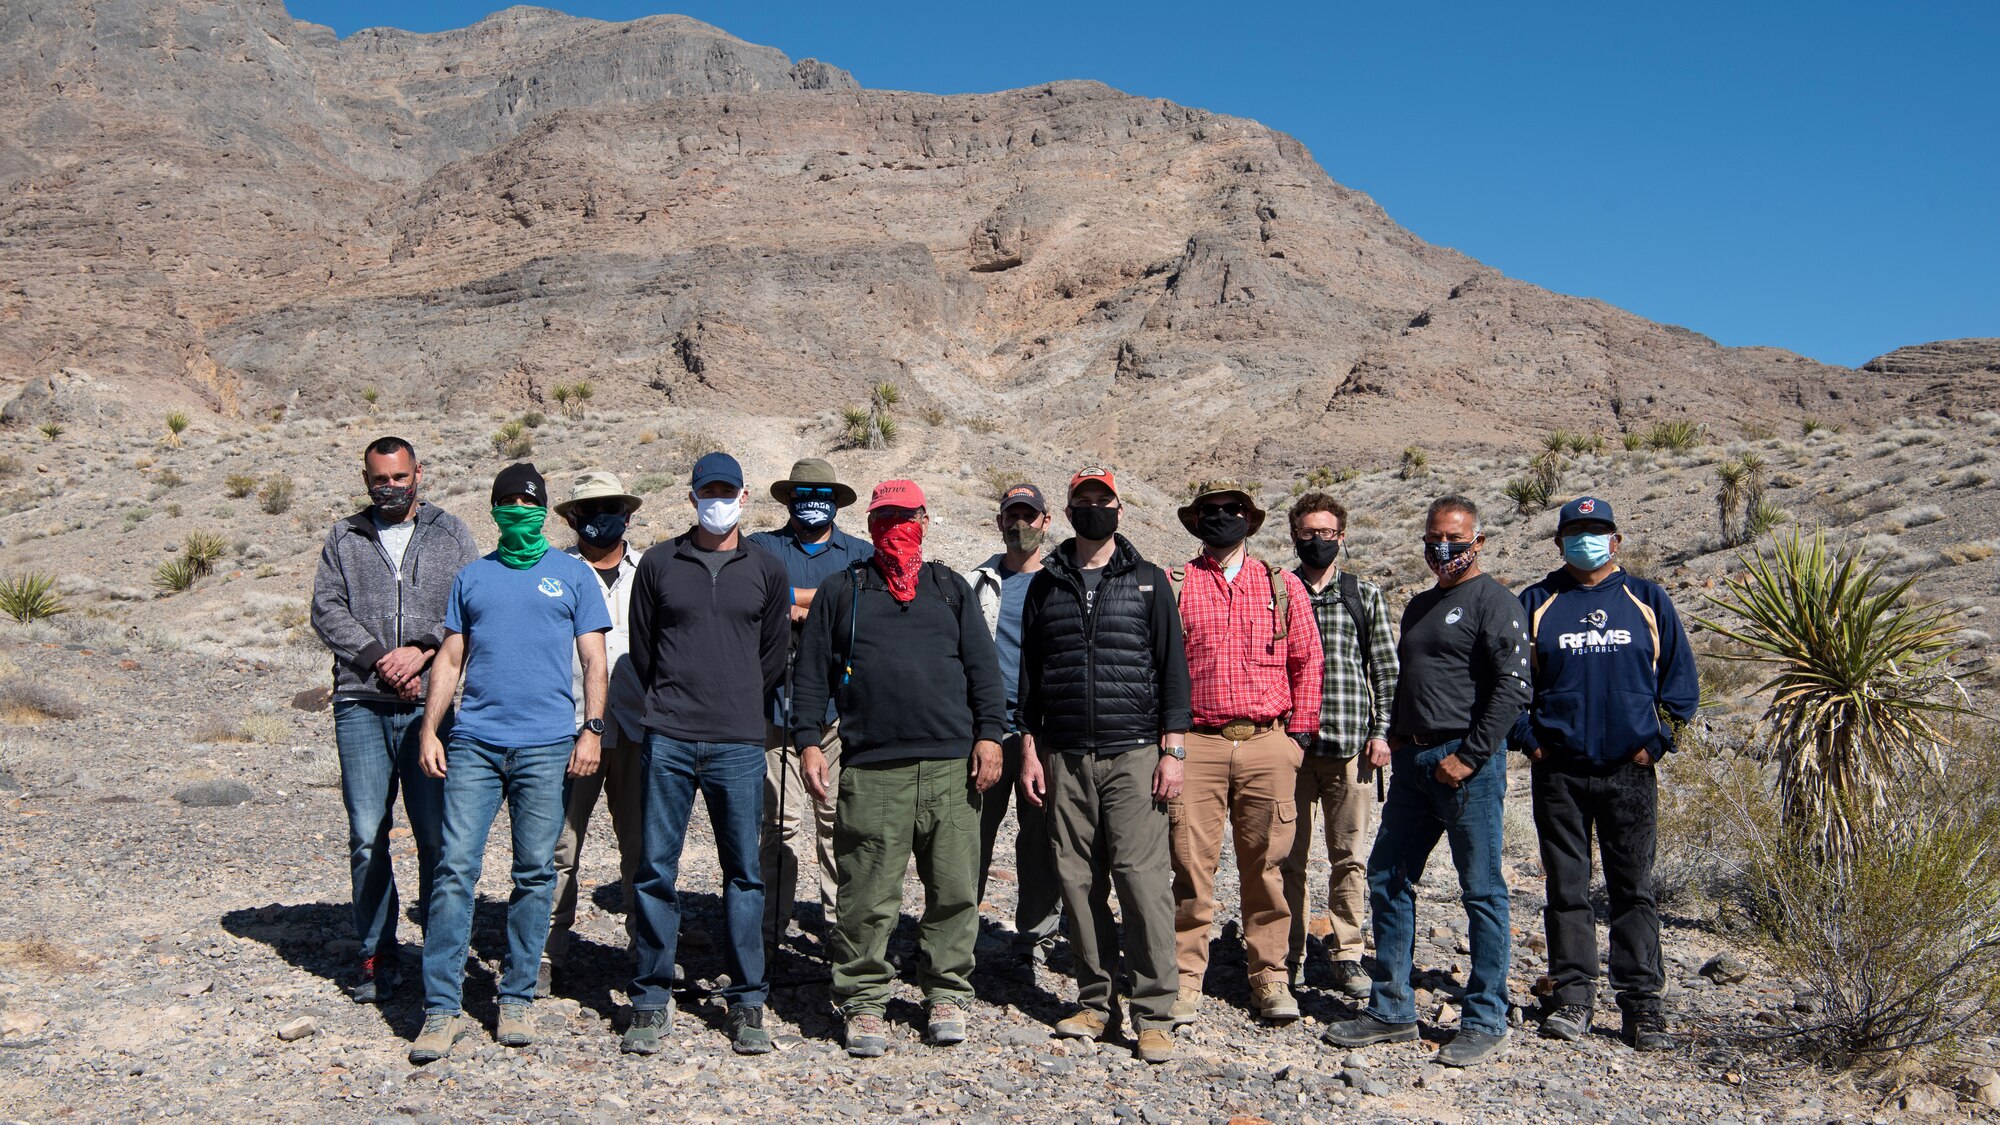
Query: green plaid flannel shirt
(1354, 703)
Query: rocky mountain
(207, 200)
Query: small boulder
(1725, 969)
(313, 699)
(223, 794)
(298, 1029)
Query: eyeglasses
(814, 492)
(1227, 508)
(1323, 534)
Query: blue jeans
(1419, 810)
(532, 780)
(730, 776)
(378, 753)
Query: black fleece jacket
(922, 677)
(708, 647)
(1111, 678)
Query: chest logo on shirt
(1597, 638)
(553, 587)
(1452, 617)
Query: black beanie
(521, 480)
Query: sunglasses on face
(1227, 508)
(812, 493)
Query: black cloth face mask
(1092, 522)
(1221, 530)
(1317, 553)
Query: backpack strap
(1176, 578)
(1351, 597)
(1281, 596)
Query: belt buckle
(1238, 730)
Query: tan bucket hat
(597, 486)
(812, 471)
(1190, 512)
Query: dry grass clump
(27, 700)
(39, 954)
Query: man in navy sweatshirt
(1613, 677)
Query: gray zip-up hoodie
(362, 607)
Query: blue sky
(1821, 176)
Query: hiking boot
(378, 980)
(1470, 1048)
(545, 977)
(1186, 1007)
(1647, 1031)
(1155, 1045)
(649, 1025)
(947, 1024)
(513, 1030)
(441, 1030)
(1085, 1024)
(1365, 1030)
(1351, 980)
(1568, 1023)
(867, 1035)
(1274, 1002)
(745, 1027)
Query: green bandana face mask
(521, 541)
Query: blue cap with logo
(717, 466)
(1586, 509)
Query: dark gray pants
(1110, 833)
(1621, 804)
(1037, 906)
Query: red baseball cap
(1093, 472)
(896, 494)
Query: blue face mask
(1586, 552)
(812, 513)
(604, 529)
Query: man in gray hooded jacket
(378, 604)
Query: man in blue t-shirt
(811, 548)
(1001, 584)
(509, 626)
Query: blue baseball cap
(717, 466)
(1586, 509)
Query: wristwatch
(1177, 752)
(594, 726)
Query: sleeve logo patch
(553, 587)
(1452, 617)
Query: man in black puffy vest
(1104, 699)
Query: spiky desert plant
(582, 392)
(1860, 677)
(1530, 494)
(561, 393)
(176, 575)
(1729, 480)
(51, 430)
(512, 440)
(177, 423)
(372, 396)
(1761, 519)
(854, 423)
(1415, 463)
(1677, 435)
(204, 549)
(30, 597)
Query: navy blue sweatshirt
(1609, 659)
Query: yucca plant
(1677, 435)
(51, 430)
(177, 423)
(854, 422)
(1730, 478)
(1860, 678)
(372, 396)
(30, 597)
(203, 549)
(1530, 494)
(561, 393)
(176, 575)
(1415, 463)
(581, 391)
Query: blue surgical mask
(1586, 552)
(812, 513)
(604, 529)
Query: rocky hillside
(212, 204)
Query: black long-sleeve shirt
(922, 677)
(708, 644)
(1464, 656)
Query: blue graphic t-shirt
(520, 631)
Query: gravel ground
(161, 947)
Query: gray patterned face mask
(1023, 537)
(393, 499)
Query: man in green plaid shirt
(1357, 685)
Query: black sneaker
(1568, 1023)
(1647, 1031)
(378, 980)
(1470, 1048)
(1351, 980)
(745, 1027)
(648, 1026)
(1366, 1031)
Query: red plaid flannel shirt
(1239, 671)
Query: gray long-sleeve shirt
(1464, 657)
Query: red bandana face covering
(899, 554)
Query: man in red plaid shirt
(1253, 652)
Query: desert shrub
(650, 482)
(1809, 426)
(167, 478)
(1758, 431)
(9, 464)
(1530, 494)
(1764, 519)
(30, 597)
(1678, 435)
(203, 549)
(534, 419)
(265, 727)
(1415, 463)
(176, 575)
(932, 414)
(582, 392)
(31, 699)
(513, 441)
(50, 430)
(177, 424)
(648, 437)
(238, 485)
(276, 493)
(871, 426)
(217, 728)
(1959, 554)
(1633, 442)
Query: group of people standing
(849, 705)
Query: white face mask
(719, 515)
